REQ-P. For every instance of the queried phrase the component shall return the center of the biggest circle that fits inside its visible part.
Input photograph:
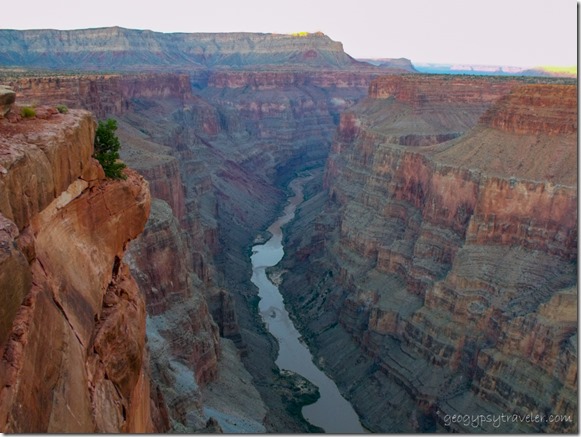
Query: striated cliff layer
(138, 50)
(536, 109)
(73, 345)
(265, 80)
(421, 234)
(444, 272)
(102, 94)
(527, 135)
(414, 111)
(173, 263)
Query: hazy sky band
(493, 32)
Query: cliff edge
(72, 337)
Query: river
(331, 411)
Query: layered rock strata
(102, 94)
(403, 64)
(142, 50)
(434, 268)
(228, 196)
(74, 355)
(239, 135)
(211, 160)
(183, 338)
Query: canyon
(432, 264)
(431, 269)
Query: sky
(523, 33)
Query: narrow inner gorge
(331, 411)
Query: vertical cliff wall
(433, 266)
(188, 309)
(181, 144)
(73, 323)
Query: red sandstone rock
(55, 151)
(529, 134)
(74, 357)
(450, 270)
(15, 278)
(536, 109)
(101, 94)
(176, 303)
(420, 90)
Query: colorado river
(331, 411)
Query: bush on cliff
(28, 112)
(107, 147)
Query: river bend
(331, 411)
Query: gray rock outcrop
(7, 98)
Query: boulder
(7, 98)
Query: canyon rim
(430, 269)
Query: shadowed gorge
(431, 269)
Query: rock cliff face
(282, 120)
(138, 50)
(433, 269)
(183, 339)
(423, 91)
(538, 109)
(73, 323)
(415, 111)
(107, 94)
(272, 80)
(539, 122)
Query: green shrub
(107, 147)
(62, 109)
(28, 112)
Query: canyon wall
(102, 94)
(73, 347)
(212, 155)
(415, 234)
(237, 136)
(143, 50)
(444, 270)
